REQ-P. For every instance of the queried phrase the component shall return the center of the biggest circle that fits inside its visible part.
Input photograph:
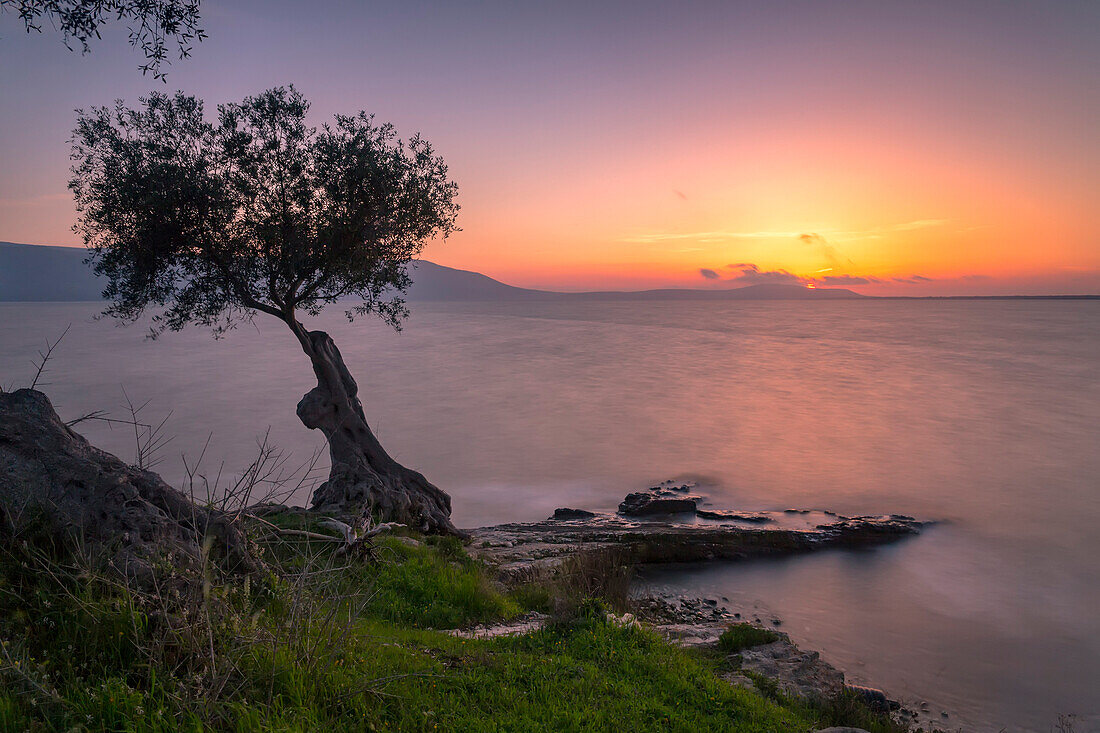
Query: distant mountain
(36, 273)
(31, 272)
(436, 282)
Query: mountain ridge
(45, 273)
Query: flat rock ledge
(527, 551)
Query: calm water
(985, 415)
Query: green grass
(348, 646)
(594, 676)
(742, 636)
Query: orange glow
(911, 211)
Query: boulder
(648, 503)
(54, 483)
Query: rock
(626, 621)
(524, 551)
(524, 625)
(53, 479)
(874, 698)
(648, 503)
(797, 673)
(567, 513)
(530, 547)
(753, 517)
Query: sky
(919, 148)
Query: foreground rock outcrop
(53, 480)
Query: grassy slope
(79, 656)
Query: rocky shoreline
(144, 529)
(692, 621)
(668, 524)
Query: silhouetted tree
(211, 222)
(152, 24)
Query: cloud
(681, 194)
(750, 274)
(747, 273)
(47, 198)
(814, 238)
(846, 280)
(710, 236)
(829, 252)
(920, 224)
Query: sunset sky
(894, 148)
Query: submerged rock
(53, 481)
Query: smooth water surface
(984, 415)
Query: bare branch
(44, 357)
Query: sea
(979, 416)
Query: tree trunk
(364, 478)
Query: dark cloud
(913, 279)
(746, 273)
(750, 274)
(846, 280)
(680, 193)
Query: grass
(742, 636)
(338, 644)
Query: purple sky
(932, 147)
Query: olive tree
(152, 24)
(209, 222)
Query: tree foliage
(152, 24)
(209, 222)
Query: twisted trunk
(364, 478)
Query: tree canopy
(208, 222)
(152, 24)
